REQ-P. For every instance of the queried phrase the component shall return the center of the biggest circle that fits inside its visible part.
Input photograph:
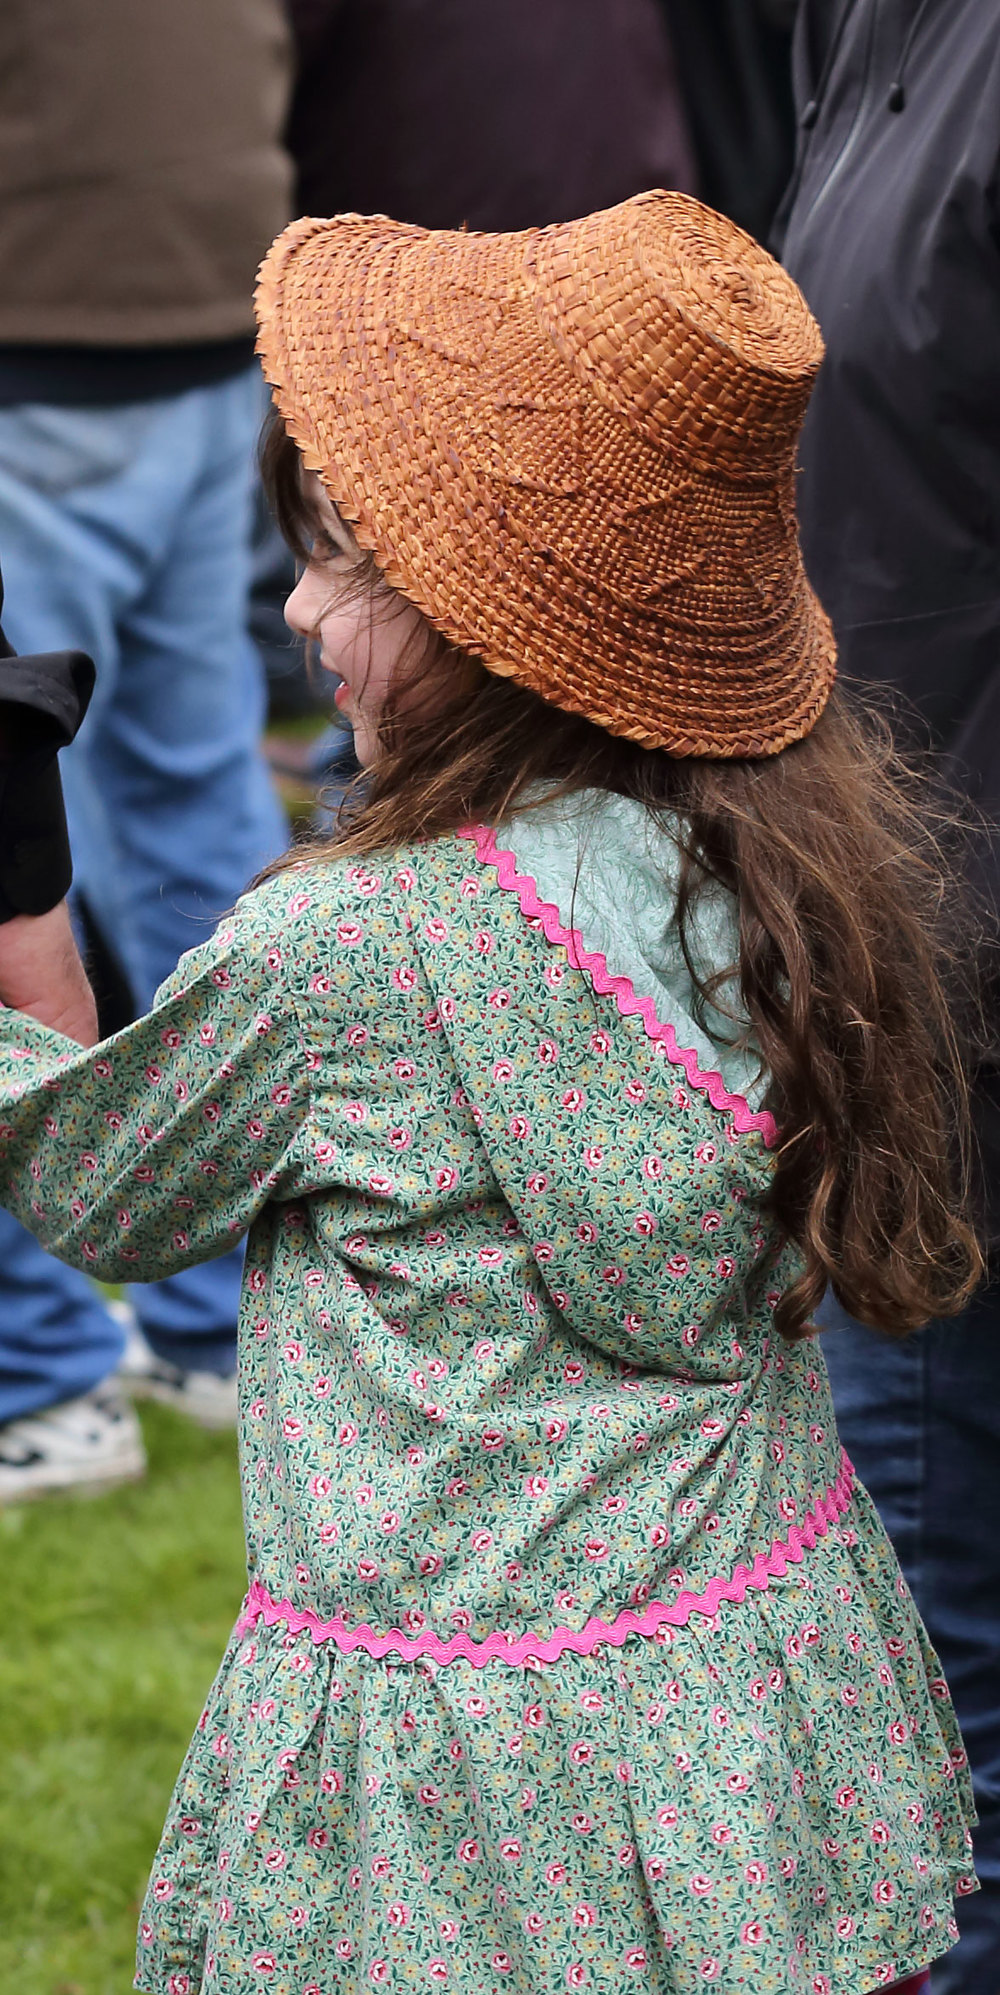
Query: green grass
(116, 1611)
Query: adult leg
(124, 531)
(176, 756)
(921, 1422)
(57, 1340)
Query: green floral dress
(573, 1655)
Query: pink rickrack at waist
(506, 1645)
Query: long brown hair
(846, 970)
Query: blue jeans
(921, 1422)
(125, 531)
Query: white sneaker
(85, 1444)
(203, 1396)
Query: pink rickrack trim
(621, 989)
(504, 1646)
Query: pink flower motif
(753, 1933)
(576, 1975)
(635, 1958)
(263, 1963)
(595, 1549)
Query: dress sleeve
(157, 1148)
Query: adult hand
(41, 974)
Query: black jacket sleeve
(42, 702)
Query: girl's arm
(156, 1148)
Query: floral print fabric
(507, 1366)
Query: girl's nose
(297, 608)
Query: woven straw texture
(573, 449)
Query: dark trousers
(920, 1420)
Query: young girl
(552, 1092)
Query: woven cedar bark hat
(573, 450)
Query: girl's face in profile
(362, 638)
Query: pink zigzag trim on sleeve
(504, 1646)
(622, 989)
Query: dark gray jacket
(893, 232)
(892, 228)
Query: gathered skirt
(772, 1799)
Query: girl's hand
(41, 974)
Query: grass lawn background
(116, 1612)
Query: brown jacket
(141, 171)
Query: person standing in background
(141, 178)
(892, 229)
